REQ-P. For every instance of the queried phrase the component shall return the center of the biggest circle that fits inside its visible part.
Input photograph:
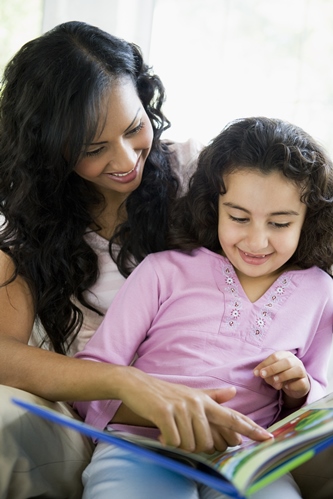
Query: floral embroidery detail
(265, 316)
(232, 317)
(234, 305)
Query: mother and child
(87, 191)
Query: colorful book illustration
(237, 472)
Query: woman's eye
(136, 129)
(95, 152)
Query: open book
(241, 470)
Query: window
(20, 22)
(227, 59)
(219, 59)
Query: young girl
(248, 302)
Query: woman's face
(115, 159)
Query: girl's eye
(280, 226)
(136, 129)
(239, 220)
(95, 152)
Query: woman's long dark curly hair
(266, 145)
(50, 106)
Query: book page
(301, 432)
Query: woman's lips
(122, 174)
(125, 177)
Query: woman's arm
(185, 417)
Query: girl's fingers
(280, 365)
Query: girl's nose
(257, 240)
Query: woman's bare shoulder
(16, 303)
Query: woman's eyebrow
(97, 143)
(131, 124)
(273, 214)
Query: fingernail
(263, 373)
(256, 372)
(264, 432)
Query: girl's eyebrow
(273, 214)
(128, 128)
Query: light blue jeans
(115, 473)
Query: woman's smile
(125, 177)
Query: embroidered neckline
(263, 317)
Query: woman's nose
(123, 158)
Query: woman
(85, 190)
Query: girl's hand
(188, 418)
(284, 371)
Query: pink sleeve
(117, 339)
(316, 361)
(318, 351)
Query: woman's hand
(188, 418)
(284, 371)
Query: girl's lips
(252, 259)
(254, 256)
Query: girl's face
(115, 160)
(260, 221)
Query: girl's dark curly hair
(51, 103)
(266, 145)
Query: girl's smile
(254, 259)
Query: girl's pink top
(185, 319)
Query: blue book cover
(237, 472)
